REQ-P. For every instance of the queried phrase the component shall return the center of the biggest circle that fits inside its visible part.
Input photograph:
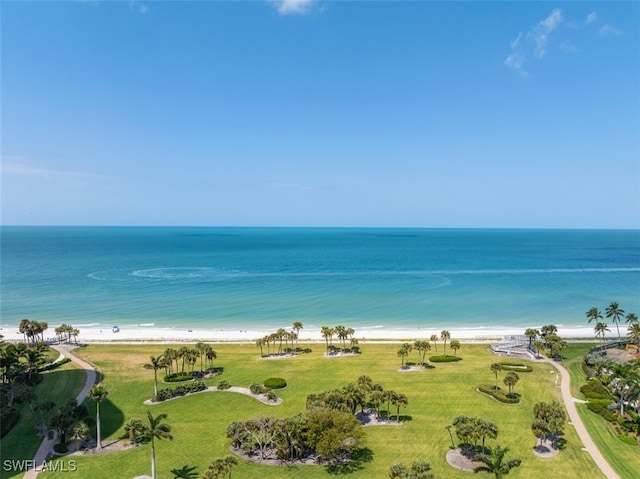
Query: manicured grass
(57, 385)
(624, 458)
(436, 397)
(572, 362)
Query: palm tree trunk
(99, 441)
(155, 382)
(153, 459)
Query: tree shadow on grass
(358, 459)
(185, 472)
(111, 417)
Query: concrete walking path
(47, 444)
(576, 421)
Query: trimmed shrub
(275, 383)
(224, 384)
(513, 366)
(51, 366)
(595, 390)
(628, 440)
(271, 396)
(163, 395)
(600, 406)
(61, 448)
(256, 388)
(499, 394)
(444, 359)
(178, 377)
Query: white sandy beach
(169, 335)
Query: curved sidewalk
(47, 444)
(574, 417)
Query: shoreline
(173, 335)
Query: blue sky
(321, 113)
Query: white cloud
(516, 62)
(591, 18)
(289, 7)
(608, 30)
(542, 31)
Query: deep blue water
(248, 278)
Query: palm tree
(510, 380)
(539, 346)
(156, 430)
(600, 328)
(403, 352)
(297, 326)
(79, 432)
(201, 348)
(280, 336)
(171, 355)
(444, 335)
(33, 357)
(614, 313)
(398, 400)
(341, 333)
(631, 318)
(98, 393)
(593, 314)
(210, 354)
(327, 334)
(455, 345)
(183, 352)
(531, 333)
(133, 429)
(495, 462)
(155, 363)
(434, 339)
(422, 347)
(260, 343)
(495, 368)
(634, 333)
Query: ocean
(266, 278)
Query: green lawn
(436, 396)
(622, 457)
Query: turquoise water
(250, 278)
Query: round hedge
(61, 448)
(275, 383)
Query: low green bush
(595, 390)
(275, 383)
(256, 388)
(628, 440)
(163, 395)
(180, 390)
(499, 394)
(271, 396)
(55, 365)
(444, 359)
(61, 448)
(224, 384)
(600, 406)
